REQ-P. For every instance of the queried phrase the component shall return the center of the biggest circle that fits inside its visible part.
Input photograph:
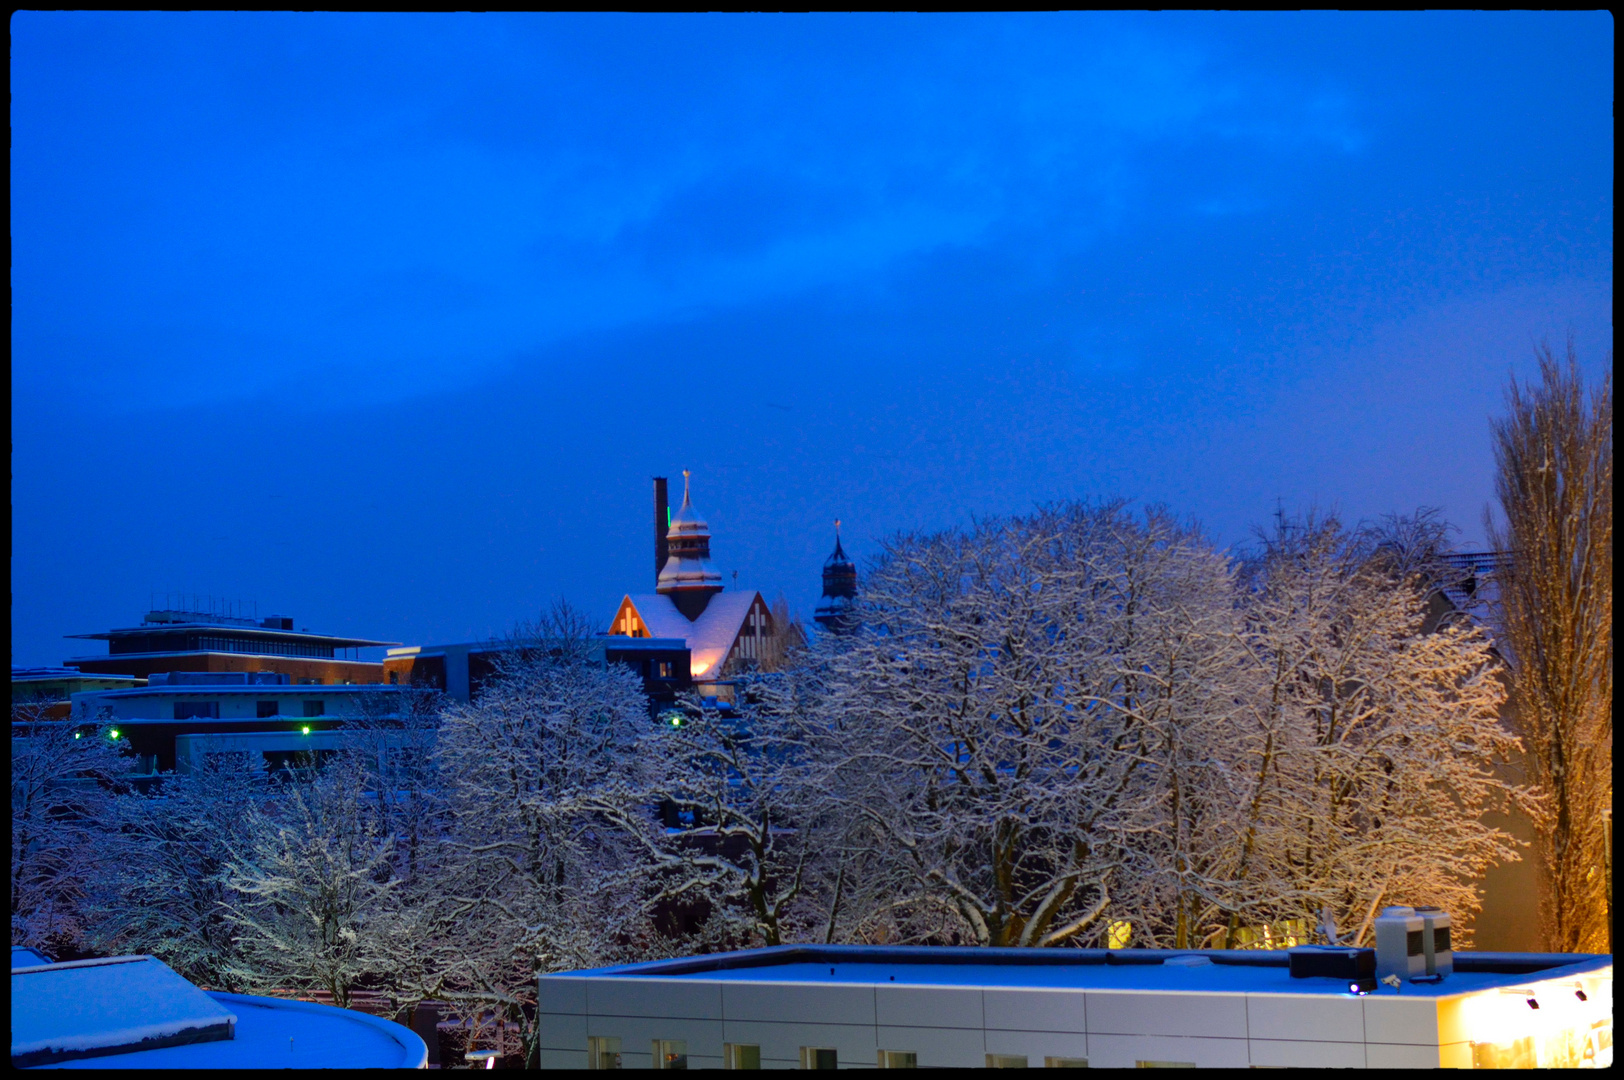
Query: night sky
(386, 322)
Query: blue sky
(386, 321)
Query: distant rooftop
(53, 674)
(166, 624)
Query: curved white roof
(97, 1014)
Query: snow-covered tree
(1378, 736)
(738, 787)
(1554, 451)
(63, 777)
(530, 875)
(314, 907)
(162, 887)
(996, 719)
(1084, 718)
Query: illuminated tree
(1380, 732)
(1554, 451)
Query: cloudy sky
(385, 322)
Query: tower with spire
(724, 632)
(839, 588)
(688, 577)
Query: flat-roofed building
(47, 690)
(175, 640)
(840, 1006)
(178, 717)
(462, 669)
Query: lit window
(670, 1054)
(1006, 1061)
(1164, 1064)
(898, 1059)
(1118, 934)
(603, 1052)
(1065, 1063)
(741, 1056)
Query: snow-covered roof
(102, 1010)
(709, 637)
(277, 1034)
(53, 674)
(1166, 970)
(22, 956)
(92, 1008)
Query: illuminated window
(741, 1056)
(1118, 934)
(1065, 1063)
(670, 1054)
(1164, 1064)
(898, 1059)
(1006, 1061)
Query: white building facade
(834, 1007)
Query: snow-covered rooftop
(709, 637)
(134, 1012)
(22, 956)
(1080, 969)
(91, 1008)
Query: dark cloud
(489, 273)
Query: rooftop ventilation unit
(1412, 943)
(1356, 967)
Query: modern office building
(179, 716)
(135, 1012)
(837, 1007)
(178, 640)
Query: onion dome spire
(839, 588)
(688, 576)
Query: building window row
(603, 1052)
(210, 643)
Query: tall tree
(1554, 450)
(529, 877)
(1380, 733)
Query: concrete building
(47, 690)
(179, 716)
(460, 670)
(855, 1006)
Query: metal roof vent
(1412, 944)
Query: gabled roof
(710, 637)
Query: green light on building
(305, 730)
(113, 733)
